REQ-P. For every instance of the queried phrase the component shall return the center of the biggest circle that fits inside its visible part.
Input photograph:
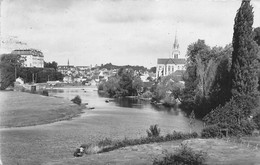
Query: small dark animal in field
(107, 101)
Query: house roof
(171, 61)
(33, 52)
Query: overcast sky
(134, 32)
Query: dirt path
(219, 152)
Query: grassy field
(20, 109)
(219, 152)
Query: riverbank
(115, 120)
(219, 151)
(19, 109)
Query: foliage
(184, 155)
(192, 120)
(153, 69)
(154, 131)
(205, 78)
(52, 64)
(9, 64)
(167, 90)
(256, 35)
(76, 100)
(211, 131)
(245, 128)
(45, 93)
(105, 142)
(125, 83)
(245, 62)
(147, 94)
(234, 114)
(147, 140)
(256, 119)
(237, 109)
(110, 66)
(39, 75)
(110, 87)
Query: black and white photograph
(129, 82)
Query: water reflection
(134, 113)
(90, 94)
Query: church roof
(171, 61)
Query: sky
(121, 32)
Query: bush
(211, 131)
(45, 93)
(244, 128)
(184, 155)
(235, 115)
(146, 140)
(101, 87)
(154, 131)
(147, 94)
(77, 100)
(105, 142)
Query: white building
(167, 66)
(32, 57)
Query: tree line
(11, 68)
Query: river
(116, 120)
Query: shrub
(105, 142)
(235, 114)
(45, 93)
(77, 100)
(146, 140)
(154, 131)
(244, 128)
(211, 131)
(147, 94)
(101, 87)
(184, 155)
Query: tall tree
(245, 65)
(9, 64)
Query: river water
(118, 119)
(128, 114)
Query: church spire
(176, 44)
(175, 51)
(68, 62)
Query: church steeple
(68, 62)
(175, 51)
(176, 44)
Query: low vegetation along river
(117, 119)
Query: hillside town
(112, 82)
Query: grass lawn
(20, 109)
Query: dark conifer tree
(245, 65)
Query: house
(32, 57)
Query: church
(167, 66)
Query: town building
(64, 69)
(167, 66)
(32, 57)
